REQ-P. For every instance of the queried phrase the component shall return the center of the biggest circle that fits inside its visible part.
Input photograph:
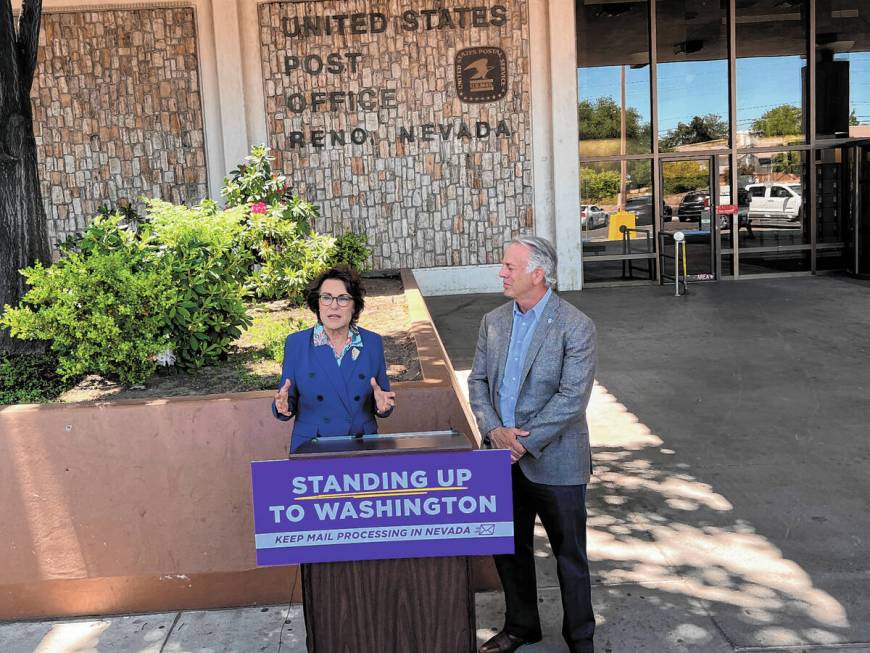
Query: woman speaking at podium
(334, 378)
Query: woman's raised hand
(281, 404)
(383, 400)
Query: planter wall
(145, 505)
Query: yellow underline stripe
(381, 493)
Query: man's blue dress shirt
(521, 337)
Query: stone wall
(364, 115)
(117, 111)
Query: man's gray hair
(542, 255)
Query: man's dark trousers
(562, 509)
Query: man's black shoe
(504, 642)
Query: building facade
(442, 129)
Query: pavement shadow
(653, 521)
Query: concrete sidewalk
(731, 435)
(729, 508)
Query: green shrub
(276, 229)
(101, 306)
(199, 250)
(118, 300)
(253, 183)
(288, 263)
(351, 249)
(173, 223)
(30, 379)
(301, 211)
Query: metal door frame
(713, 181)
(860, 169)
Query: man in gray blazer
(529, 387)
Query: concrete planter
(134, 506)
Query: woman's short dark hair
(352, 282)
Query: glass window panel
(612, 187)
(771, 65)
(842, 68)
(831, 259)
(773, 262)
(625, 270)
(775, 183)
(613, 82)
(692, 50)
(686, 190)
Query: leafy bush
(173, 224)
(101, 306)
(276, 229)
(118, 300)
(198, 249)
(255, 184)
(351, 249)
(168, 287)
(287, 262)
(254, 181)
(30, 378)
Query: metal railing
(628, 264)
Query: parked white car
(775, 200)
(592, 217)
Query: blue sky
(694, 88)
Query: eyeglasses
(326, 299)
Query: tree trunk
(23, 228)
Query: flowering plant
(255, 181)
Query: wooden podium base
(390, 606)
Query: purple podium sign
(376, 507)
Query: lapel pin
(354, 353)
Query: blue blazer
(325, 399)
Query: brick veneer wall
(117, 111)
(423, 203)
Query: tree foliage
(600, 120)
(598, 185)
(701, 129)
(683, 176)
(786, 163)
(784, 120)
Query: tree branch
(28, 46)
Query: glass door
(689, 202)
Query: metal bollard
(678, 240)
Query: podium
(388, 606)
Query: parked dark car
(641, 206)
(692, 205)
